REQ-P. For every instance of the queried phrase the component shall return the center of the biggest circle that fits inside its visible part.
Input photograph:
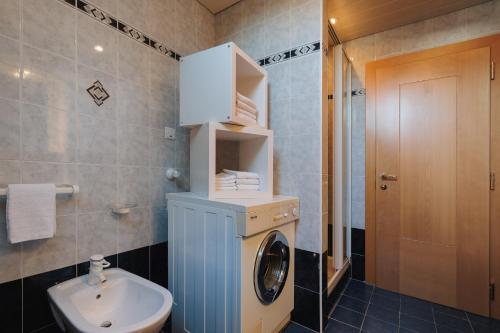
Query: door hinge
(492, 181)
(492, 291)
(492, 70)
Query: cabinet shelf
(249, 149)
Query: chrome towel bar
(60, 189)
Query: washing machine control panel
(267, 216)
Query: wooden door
(432, 130)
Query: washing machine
(231, 263)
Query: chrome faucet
(96, 269)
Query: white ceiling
(216, 6)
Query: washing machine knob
(295, 212)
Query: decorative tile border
(290, 54)
(358, 92)
(122, 27)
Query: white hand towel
(229, 182)
(246, 113)
(31, 212)
(246, 100)
(251, 120)
(225, 176)
(248, 181)
(242, 174)
(247, 107)
(226, 188)
(248, 187)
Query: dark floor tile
(53, 328)
(353, 304)
(483, 324)
(306, 308)
(359, 290)
(36, 311)
(296, 328)
(377, 326)
(307, 269)
(347, 316)
(455, 323)
(416, 308)
(387, 294)
(159, 264)
(83, 267)
(388, 303)
(444, 329)
(135, 261)
(405, 330)
(416, 325)
(334, 326)
(383, 314)
(358, 267)
(449, 311)
(11, 306)
(360, 284)
(358, 241)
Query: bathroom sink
(125, 303)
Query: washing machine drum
(271, 267)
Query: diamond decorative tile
(98, 93)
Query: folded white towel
(246, 107)
(242, 174)
(250, 120)
(248, 187)
(246, 113)
(247, 181)
(230, 182)
(225, 176)
(246, 100)
(31, 212)
(226, 188)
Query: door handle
(389, 177)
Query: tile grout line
(366, 310)
(20, 95)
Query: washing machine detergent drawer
(266, 217)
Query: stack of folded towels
(246, 108)
(230, 180)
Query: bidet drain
(106, 324)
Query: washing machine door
(271, 267)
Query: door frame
(370, 141)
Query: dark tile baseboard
(306, 308)
(25, 305)
(307, 269)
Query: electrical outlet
(169, 133)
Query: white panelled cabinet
(209, 81)
(255, 154)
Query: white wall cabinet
(209, 81)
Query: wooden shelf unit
(255, 154)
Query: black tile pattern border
(126, 29)
(296, 52)
(25, 303)
(358, 92)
